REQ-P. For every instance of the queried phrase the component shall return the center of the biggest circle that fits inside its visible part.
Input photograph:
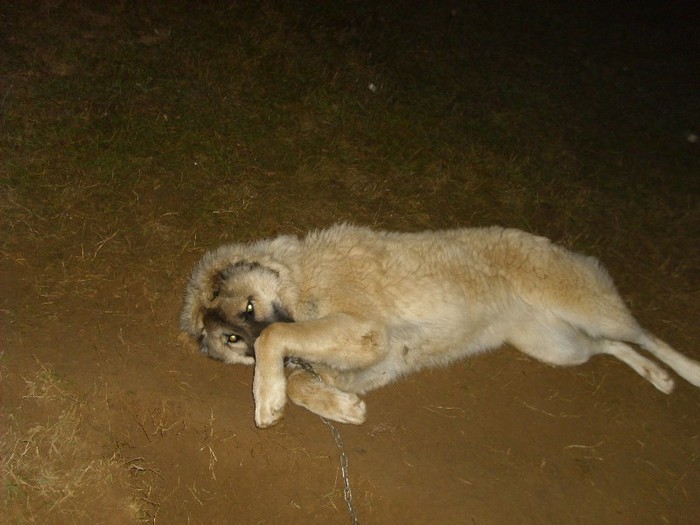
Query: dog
(349, 309)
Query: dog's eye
(249, 309)
(232, 338)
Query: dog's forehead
(214, 318)
(235, 293)
(247, 275)
(223, 311)
(238, 287)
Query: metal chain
(347, 492)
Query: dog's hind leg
(311, 392)
(554, 341)
(614, 326)
(646, 368)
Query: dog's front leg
(269, 383)
(340, 341)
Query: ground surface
(133, 136)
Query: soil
(110, 415)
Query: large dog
(349, 309)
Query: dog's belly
(414, 346)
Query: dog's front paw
(270, 398)
(325, 400)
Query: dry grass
(50, 471)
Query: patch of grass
(49, 471)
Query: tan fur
(370, 306)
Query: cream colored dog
(350, 309)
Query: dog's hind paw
(661, 380)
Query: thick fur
(365, 307)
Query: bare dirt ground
(135, 136)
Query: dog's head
(228, 304)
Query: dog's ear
(204, 286)
(201, 313)
(217, 281)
